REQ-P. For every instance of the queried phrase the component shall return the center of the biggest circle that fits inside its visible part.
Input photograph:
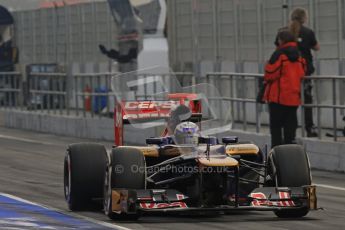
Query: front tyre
(84, 167)
(120, 175)
(288, 166)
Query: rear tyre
(84, 167)
(125, 170)
(289, 167)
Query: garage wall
(213, 33)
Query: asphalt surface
(31, 167)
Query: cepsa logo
(148, 109)
(151, 105)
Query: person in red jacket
(283, 75)
(306, 42)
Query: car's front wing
(169, 200)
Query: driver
(186, 133)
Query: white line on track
(105, 224)
(330, 187)
(24, 140)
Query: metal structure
(90, 95)
(11, 90)
(237, 89)
(47, 91)
(238, 35)
(69, 34)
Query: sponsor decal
(148, 109)
(152, 152)
(150, 105)
(147, 115)
(178, 204)
(287, 199)
(243, 148)
(163, 205)
(260, 199)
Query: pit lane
(31, 166)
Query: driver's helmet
(186, 133)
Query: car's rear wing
(150, 110)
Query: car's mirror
(230, 140)
(156, 141)
(208, 140)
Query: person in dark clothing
(7, 56)
(114, 54)
(306, 40)
(283, 75)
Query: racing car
(183, 170)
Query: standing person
(283, 75)
(6, 64)
(306, 40)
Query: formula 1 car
(184, 170)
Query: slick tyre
(125, 170)
(84, 169)
(289, 167)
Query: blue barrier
(100, 101)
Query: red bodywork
(145, 110)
